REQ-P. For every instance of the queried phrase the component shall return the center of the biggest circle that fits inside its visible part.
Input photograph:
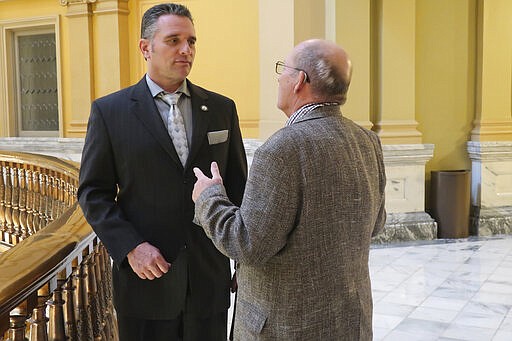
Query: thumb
(198, 173)
(215, 171)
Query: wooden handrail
(40, 257)
(52, 253)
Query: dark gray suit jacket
(133, 188)
(314, 197)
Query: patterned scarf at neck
(305, 109)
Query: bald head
(328, 67)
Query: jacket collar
(314, 111)
(144, 107)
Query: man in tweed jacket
(314, 198)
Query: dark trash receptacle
(450, 202)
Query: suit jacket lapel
(200, 119)
(144, 107)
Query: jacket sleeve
(97, 192)
(259, 229)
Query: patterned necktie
(176, 126)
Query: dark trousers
(184, 328)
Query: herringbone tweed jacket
(301, 238)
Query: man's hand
(203, 182)
(147, 261)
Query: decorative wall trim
(103, 7)
(491, 130)
(398, 131)
(71, 2)
(490, 151)
(407, 153)
(77, 127)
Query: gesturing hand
(147, 261)
(203, 182)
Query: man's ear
(144, 46)
(301, 82)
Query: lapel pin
(204, 108)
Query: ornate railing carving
(55, 275)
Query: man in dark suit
(170, 283)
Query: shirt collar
(155, 89)
(305, 109)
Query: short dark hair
(148, 26)
(327, 79)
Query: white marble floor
(443, 290)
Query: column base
(401, 227)
(488, 221)
(491, 193)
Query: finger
(163, 266)
(198, 173)
(149, 275)
(215, 171)
(155, 272)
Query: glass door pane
(38, 113)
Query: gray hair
(327, 79)
(149, 20)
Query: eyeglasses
(280, 66)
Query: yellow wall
(227, 52)
(445, 79)
(29, 8)
(416, 62)
(226, 61)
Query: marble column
(276, 32)
(490, 148)
(393, 28)
(405, 194)
(394, 70)
(355, 16)
(111, 67)
(282, 25)
(80, 79)
(491, 187)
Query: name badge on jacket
(219, 136)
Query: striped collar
(306, 109)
